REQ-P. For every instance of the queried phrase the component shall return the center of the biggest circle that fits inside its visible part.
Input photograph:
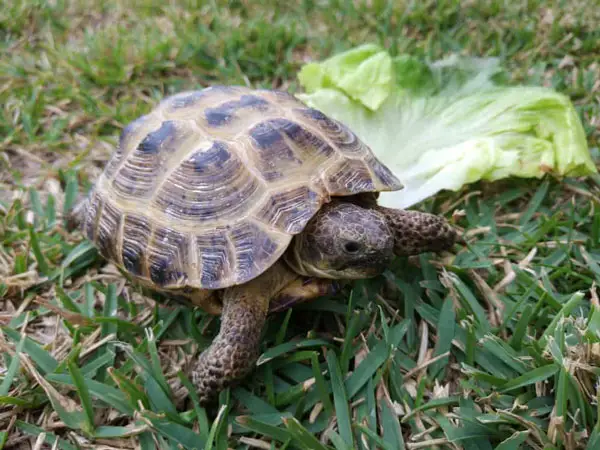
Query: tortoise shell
(207, 190)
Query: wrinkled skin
(345, 240)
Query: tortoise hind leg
(74, 217)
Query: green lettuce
(449, 123)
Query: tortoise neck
(417, 232)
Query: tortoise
(247, 201)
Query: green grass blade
(374, 437)
(375, 359)
(154, 365)
(42, 262)
(146, 441)
(529, 378)
(88, 300)
(71, 193)
(112, 432)
(110, 309)
(432, 404)
(36, 205)
(101, 391)
(50, 439)
(352, 329)
(503, 352)
(67, 301)
(6, 400)
(562, 394)
(279, 350)
(392, 432)
(81, 251)
(131, 390)
(39, 356)
(445, 336)
(108, 328)
(67, 409)
(470, 302)
(91, 369)
(340, 400)
(337, 441)
(302, 436)
(535, 202)
(10, 373)
(514, 442)
(51, 211)
(84, 395)
(521, 328)
(565, 311)
(258, 426)
(594, 441)
(215, 428)
(159, 399)
(203, 425)
(174, 431)
(321, 385)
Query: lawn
(495, 346)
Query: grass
(496, 347)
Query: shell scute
(216, 156)
(284, 147)
(136, 234)
(188, 104)
(222, 114)
(253, 249)
(126, 141)
(349, 176)
(107, 231)
(338, 133)
(212, 183)
(91, 216)
(154, 140)
(168, 256)
(275, 156)
(144, 166)
(214, 258)
(290, 210)
(384, 177)
(308, 144)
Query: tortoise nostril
(352, 246)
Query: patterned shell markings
(207, 190)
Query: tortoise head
(343, 241)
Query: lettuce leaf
(364, 74)
(442, 125)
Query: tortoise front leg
(233, 353)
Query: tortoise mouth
(366, 267)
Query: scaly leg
(74, 218)
(233, 353)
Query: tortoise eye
(352, 246)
